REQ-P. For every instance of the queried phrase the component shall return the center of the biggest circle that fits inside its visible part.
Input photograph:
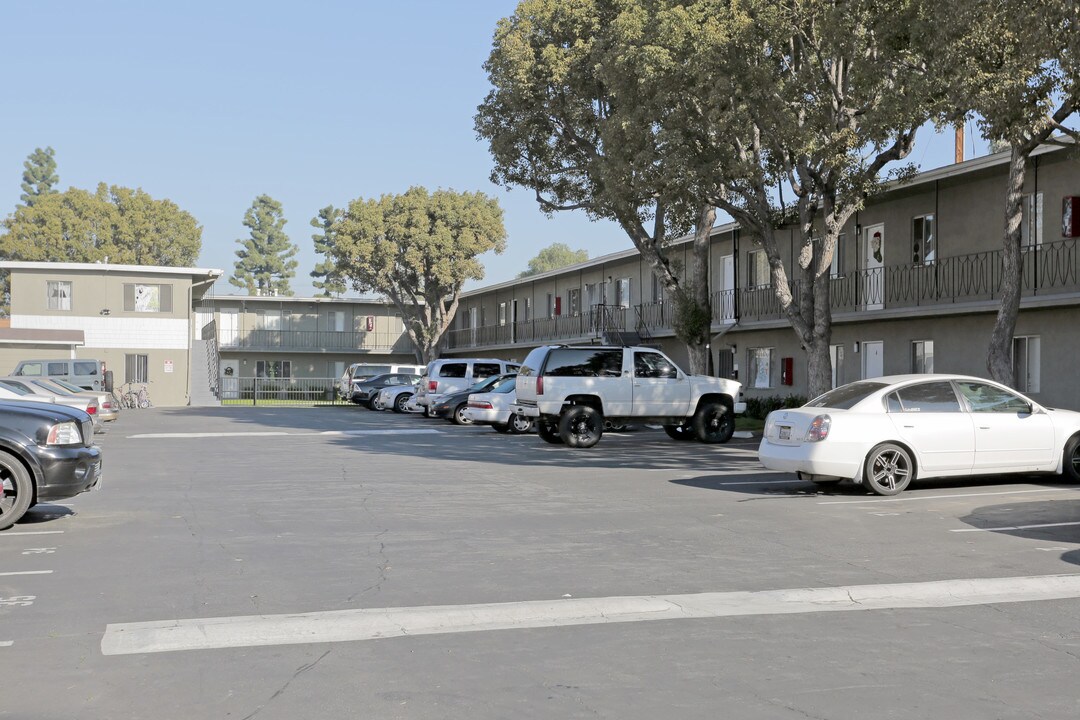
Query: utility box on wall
(787, 371)
(1070, 216)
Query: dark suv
(47, 452)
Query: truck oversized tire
(548, 431)
(581, 426)
(714, 423)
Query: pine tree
(324, 242)
(265, 263)
(39, 175)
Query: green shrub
(759, 407)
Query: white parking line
(1016, 527)
(31, 532)
(27, 572)
(6, 643)
(376, 623)
(278, 433)
(912, 498)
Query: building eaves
(28, 336)
(194, 272)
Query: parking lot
(339, 563)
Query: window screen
(136, 369)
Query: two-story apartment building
(915, 286)
(135, 318)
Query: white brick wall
(119, 332)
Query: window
(759, 360)
(59, 294)
(836, 269)
(30, 369)
(1031, 220)
(846, 396)
(139, 297)
(758, 269)
(502, 313)
(550, 306)
(590, 295)
(658, 289)
(923, 240)
(925, 397)
(336, 321)
(983, 398)
(584, 362)
(482, 371)
(653, 365)
(57, 369)
(622, 292)
(136, 368)
(281, 369)
(922, 356)
(527, 309)
(573, 298)
(453, 370)
(1026, 361)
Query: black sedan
(365, 391)
(452, 406)
(47, 452)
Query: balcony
(1047, 270)
(313, 341)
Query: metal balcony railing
(312, 340)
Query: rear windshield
(584, 362)
(15, 388)
(846, 396)
(532, 362)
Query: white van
(456, 374)
(362, 371)
(87, 374)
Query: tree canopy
(265, 265)
(39, 175)
(418, 249)
(554, 256)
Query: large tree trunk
(819, 366)
(696, 334)
(999, 361)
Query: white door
(336, 320)
(230, 379)
(727, 285)
(1007, 436)
(660, 390)
(229, 332)
(873, 359)
(873, 280)
(202, 319)
(473, 324)
(929, 419)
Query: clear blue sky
(314, 103)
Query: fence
(280, 391)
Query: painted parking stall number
(39, 551)
(17, 600)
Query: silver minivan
(87, 374)
(453, 375)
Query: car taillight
(481, 404)
(106, 405)
(92, 410)
(819, 428)
(432, 385)
(539, 384)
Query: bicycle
(133, 398)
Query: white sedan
(885, 432)
(493, 408)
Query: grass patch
(748, 423)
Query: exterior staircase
(204, 374)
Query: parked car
(399, 398)
(573, 390)
(494, 408)
(451, 406)
(11, 392)
(443, 377)
(107, 411)
(46, 453)
(358, 372)
(889, 431)
(88, 405)
(365, 392)
(87, 374)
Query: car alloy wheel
(520, 424)
(460, 418)
(889, 469)
(401, 401)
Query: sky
(315, 103)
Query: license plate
(785, 432)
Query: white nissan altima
(885, 432)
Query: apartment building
(915, 287)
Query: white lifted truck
(571, 390)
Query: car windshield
(51, 387)
(506, 385)
(15, 388)
(70, 387)
(846, 396)
(485, 385)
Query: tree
(1016, 65)
(418, 249)
(331, 284)
(554, 256)
(568, 117)
(39, 175)
(265, 263)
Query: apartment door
(727, 286)
(230, 379)
(873, 280)
(873, 359)
(229, 332)
(513, 320)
